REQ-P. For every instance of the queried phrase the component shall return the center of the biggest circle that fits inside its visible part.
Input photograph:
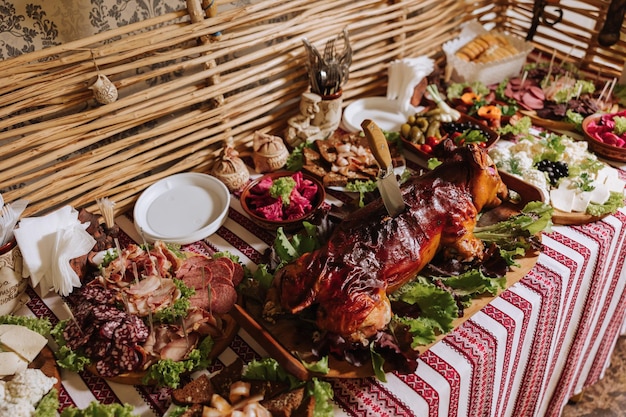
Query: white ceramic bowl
(182, 208)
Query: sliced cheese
(562, 198)
(610, 177)
(600, 194)
(581, 201)
(6, 327)
(23, 341)
(11, 363)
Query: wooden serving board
(288, 340)
(231, 327)
(547, 123)
(46, 362)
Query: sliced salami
(98, 349)
(107, 330)
(226, 261)
(75, 336)
(97, 294)
(220, 272)
(131, 330)
(107, 313)
(238, 274)
(126, 357)
(223, 298)
(107, 367)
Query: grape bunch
(555, 170)
(459, 127)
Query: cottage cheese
(518, 158)
(20, 395)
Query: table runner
(525, 354)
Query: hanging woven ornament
(104, 91)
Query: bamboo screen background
(190, 80)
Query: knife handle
(378, 143)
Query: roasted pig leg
(372, 254)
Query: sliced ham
(531, 102)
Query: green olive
(411, 119)
(433, 129)
(422, 123)
(416, 135)
(405, 130)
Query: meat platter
(288, 339)
(131, 339)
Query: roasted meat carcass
(371, 254)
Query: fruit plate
(288, 340)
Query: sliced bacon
(178, 349)
(145, 286)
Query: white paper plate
(387, 114)
(182, 208)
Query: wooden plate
(231, 327)
(547, 123)
(46, 361)
(289, 340)
(492, 137)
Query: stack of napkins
(48, 243)
(404, 75)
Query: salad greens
(268, 369)
(41, 326)
(167, 373)
(48, 405)
(281, 188)
(178, 310)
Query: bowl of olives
(423, 132)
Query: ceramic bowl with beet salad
(282, 199)
(606, 134)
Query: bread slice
(198, 391)
(311, 156)
(286, 404)
(333, 179)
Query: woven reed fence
(190, 80)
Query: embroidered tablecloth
(525, 354)
(537, 344)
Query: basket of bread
(486, 56)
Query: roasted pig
(372, 254)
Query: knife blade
(386, 180)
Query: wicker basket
(188, 81)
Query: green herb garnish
(281, 188)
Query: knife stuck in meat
(386, 180)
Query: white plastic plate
(182, 208)
(386, 113)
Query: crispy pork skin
(372, 254)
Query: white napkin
(48, 243)
(404, 75)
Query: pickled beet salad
(610, 129)
(284, 198)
